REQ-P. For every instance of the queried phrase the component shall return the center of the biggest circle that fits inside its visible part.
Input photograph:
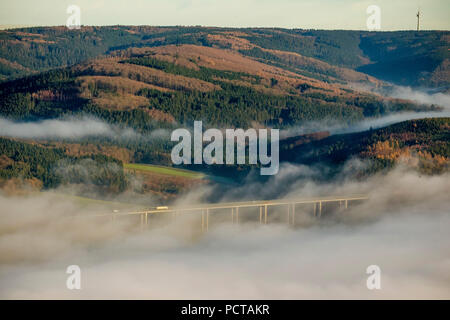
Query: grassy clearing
(164, 170)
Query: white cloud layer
(403, 228)
(70, 128)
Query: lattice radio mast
(418, 19)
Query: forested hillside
(405, 57)
(423, 144)
(50, 167)
(145, 80)
(420, 144)
(161, 87)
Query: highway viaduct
(260, 212)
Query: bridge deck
(205, 210)
(246, 204)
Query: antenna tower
(418, 19)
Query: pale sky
(314, 14)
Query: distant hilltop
(14, 26)
(403, 57)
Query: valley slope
(143, 82)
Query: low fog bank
(419, 95)
(403, 228)
(85, 127)
(301, 181)
(335, 127)
(68, 128)
(71, 128)
(388, 120)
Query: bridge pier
(317, 209)
(203, 220)
(260, 215)
(292, 217)
(293, 214)
(235, 215)
(265, 214)
(289, 213)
